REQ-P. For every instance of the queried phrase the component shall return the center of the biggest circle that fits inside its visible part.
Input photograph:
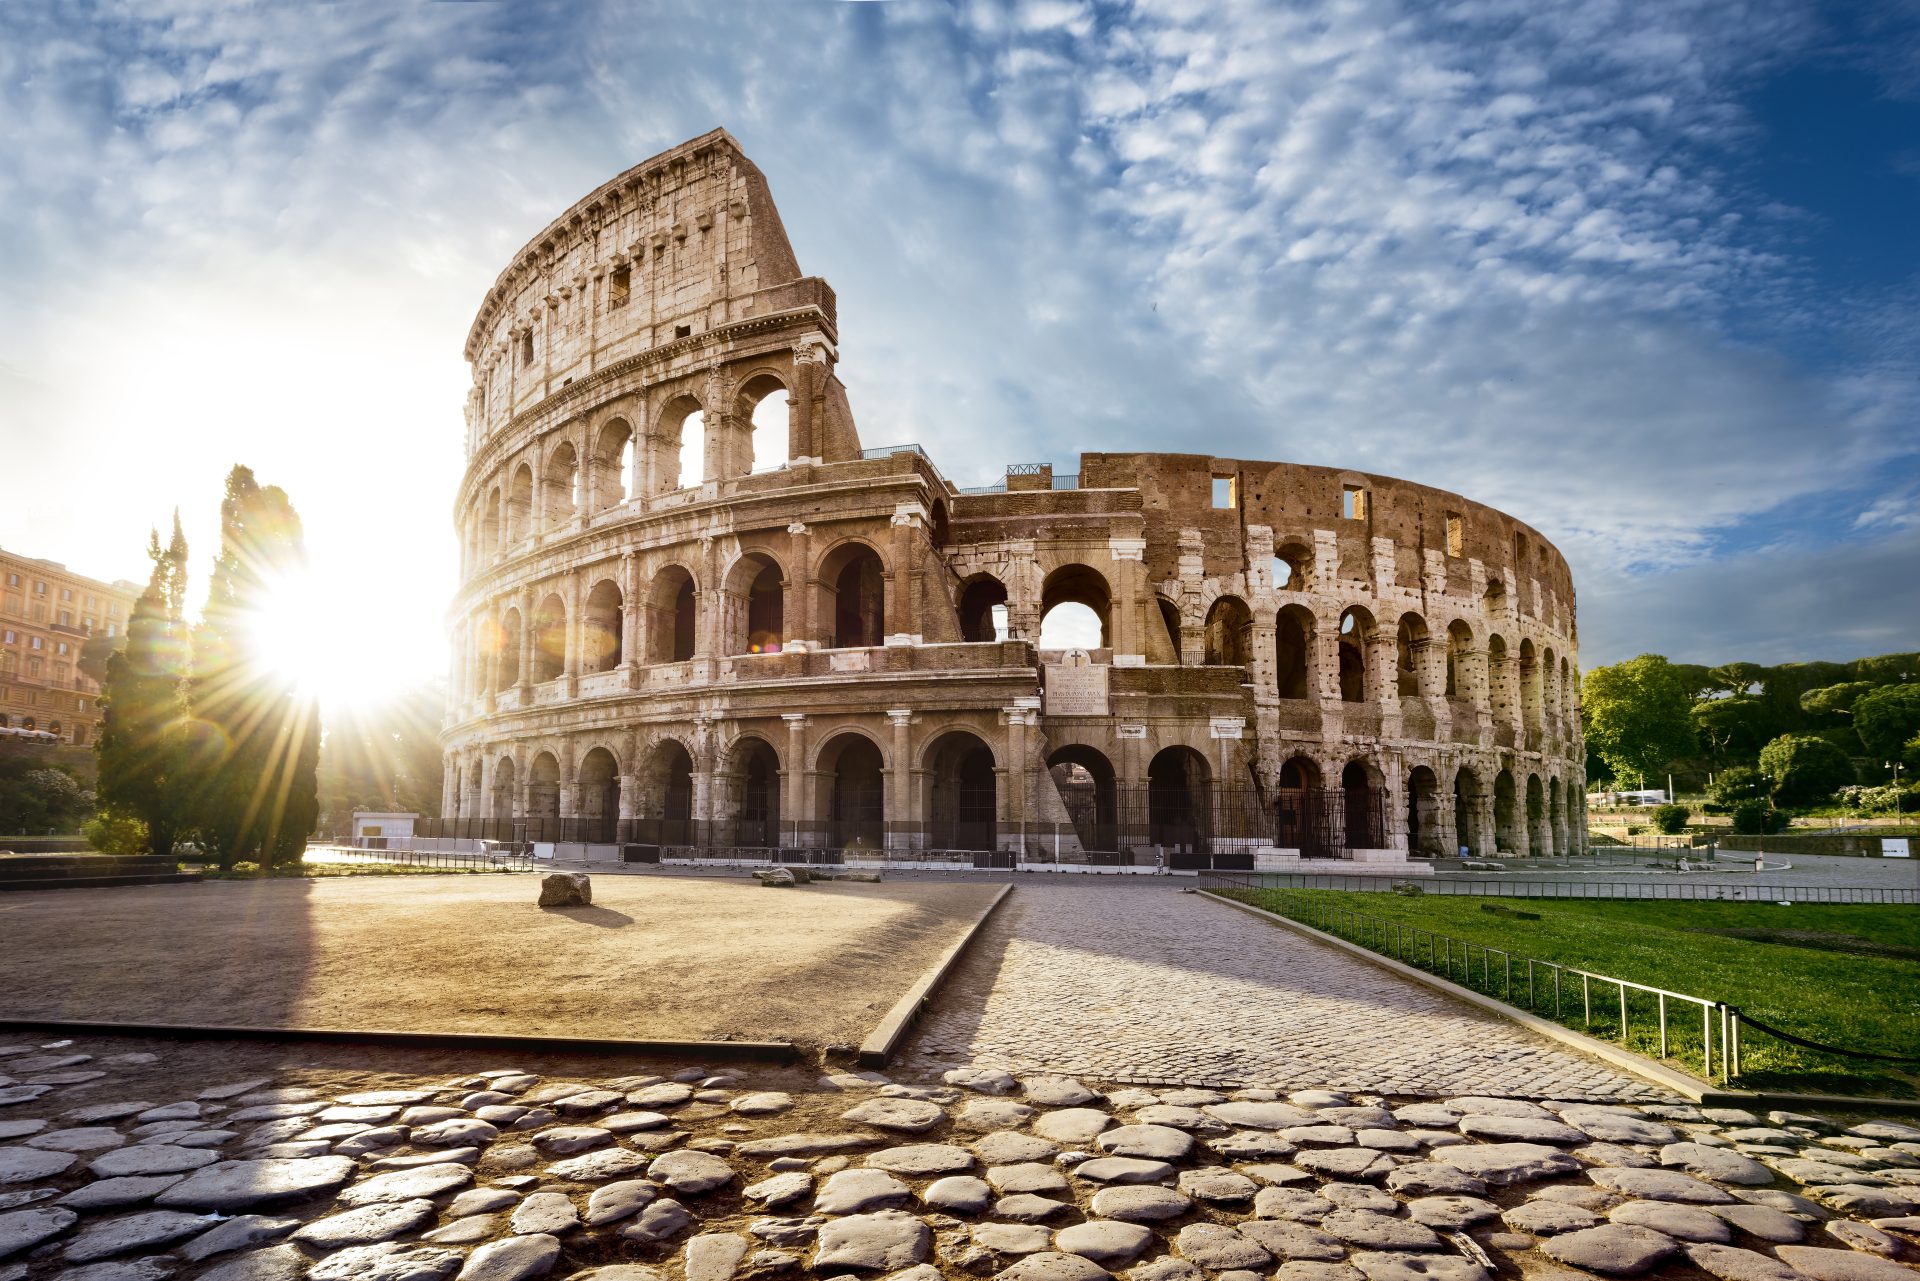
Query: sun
(341, 661)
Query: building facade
(697, 611)
(47, 614)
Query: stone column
(903, 828)
(1128, 641)
(1225, 731)
(629, 618)
(798, 603)
(794, 824)
(576, 634)
(526, 644)
(899, 623)
(1381, 653)
(1323, 649)
(703, 763)
(1024, 714)
(1394, 803)
(1264, 672)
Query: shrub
(1756, 818)
(1671, 819)
(1407, 887)
(112, 833)
(1806, 770)
(247, 869)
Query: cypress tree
(144, 700)
(256, 739)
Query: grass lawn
(1840, 974)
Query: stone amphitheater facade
(664, 636)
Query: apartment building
(47, 613)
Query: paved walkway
(1145, 983)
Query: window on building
(619, 285)
(92, 603)
(39, 612)
(66, 618)
(1353, 503)
(39, 589)
(13, 603)
(1456, 535)
(526, 348)
(113, 609)
(87, 623)
(36, 643)
(66, 593)
(112, 630)
(8, 637)
(34, 666)
(1223, 492)
(60, 648)
(13, 580)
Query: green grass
(1841, 974)
(310, 871)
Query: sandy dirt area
(654, 957)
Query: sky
(1644, 275)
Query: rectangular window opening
(1456, 535)
(1353, 503)
(1224, 495)
(683, 331)
(526, 348)
(619, 286)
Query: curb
(780, 1052)
(884, 1041)
(1639, 1065)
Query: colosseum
(699, 617)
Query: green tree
(37, 797)
(1806, 770)
(1671, 819)
(1731, 728)
(255, 741)
(1886, 718)
(144, 700)
(1636, 716)
(1740, 783)
(1736, 679)
(1834, 701)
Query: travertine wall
(808, 655)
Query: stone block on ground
(566, 889)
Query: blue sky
(1645, 275)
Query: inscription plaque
(1076, 687)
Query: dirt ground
(654, 957)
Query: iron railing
(1453, 958)
(451, 860)
(1691, 891)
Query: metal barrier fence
(1690, 891)
(491, 860)
(1454, 959)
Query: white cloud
(1485, 245)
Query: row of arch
(840, 799)
(549, 489)
(544, 644)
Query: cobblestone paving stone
(1232, 1185)
(1147, 984)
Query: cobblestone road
(1144, 983)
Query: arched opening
(1506, 815)
(1539, 838)
(1170, 621)
(1229, 633)
(1179, 813)
(596, 801)
(763, 403)
(520, 505)
(666, 791)
(1300, 810)
(755, 783)
(670, 616)
(766, 606)
(983, 609)
(490, 525)
(549, 639)
(854, 583)
(1549, 683)
(503, 788)
(543, 790)
(853, 787)
(1363, 798)
(1425, 839)
(681, 445)
(506, 647)
(1085, 780)
(1291, 646)
(1409, 637)
(610, 466)
(1356, 629)
(938, 532)
(1459, 645)
(1566, 689)
(1466, 806)
(602, 651)
(963, 806)
(1290, 567)
(557, 500)
(1074, 609)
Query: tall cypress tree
(256, 739)
(144, 700)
